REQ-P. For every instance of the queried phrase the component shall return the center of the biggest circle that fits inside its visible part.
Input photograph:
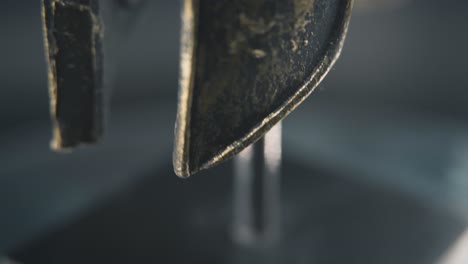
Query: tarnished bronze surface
(245, 64)
(80, 36)
(73, 36)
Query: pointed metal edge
(182, 130)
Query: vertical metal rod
(257, 172)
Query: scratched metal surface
(74, 50)
(253, 63)
(82, 40)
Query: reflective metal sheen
(246, 64)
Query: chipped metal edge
(49, 6)
(51, 49)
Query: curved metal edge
(187, 61)
(181, 163)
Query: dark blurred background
(375, 161)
